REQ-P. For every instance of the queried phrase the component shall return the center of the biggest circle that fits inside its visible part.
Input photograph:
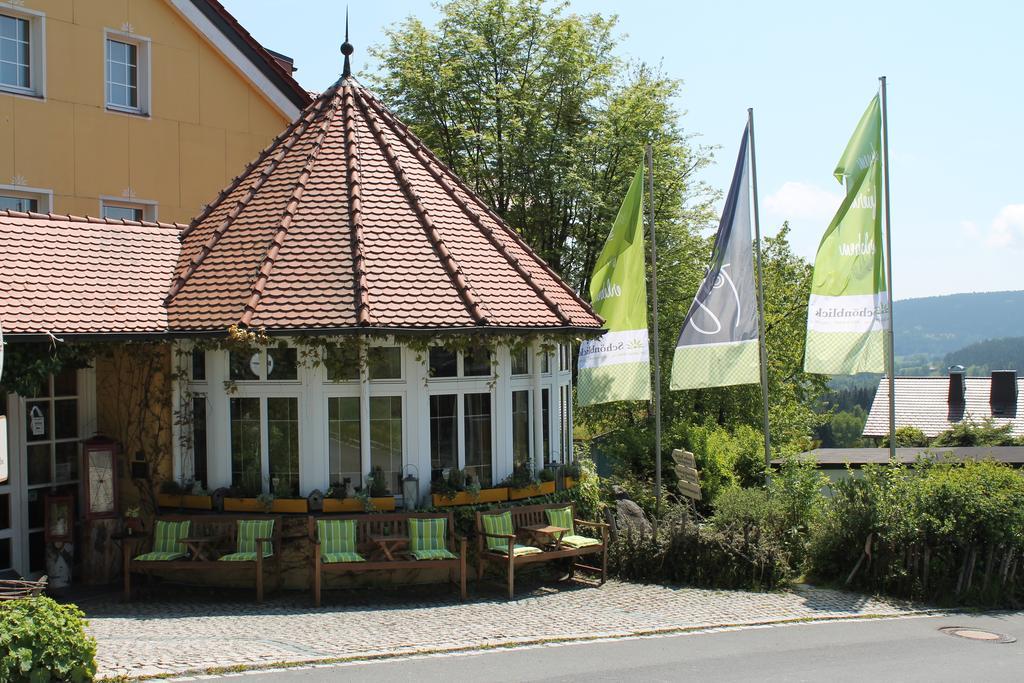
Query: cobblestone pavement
(172, 632)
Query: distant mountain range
(937, 325)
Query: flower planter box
(497, 495)
(384, 504)
(570, 482)
(541, 489)
(342, 505)
(243, 505)
(190, 502)
(290, 505)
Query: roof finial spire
(346, 49)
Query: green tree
(846, 427)
(968, 433)
(907, 437)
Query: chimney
(1003, 396)
(956, 385)
(285, 62)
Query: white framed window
(276, 364)
(462, 433)
(20, 198)
(133, 210)
(265, 444)
(444, 363)
(22, 51)
(126, 73)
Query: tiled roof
(73, 275)
(835, 458)
(923, 402)
(348, 221)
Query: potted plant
(337, 499)
(376, 494)
(450, 489)
(189, 495)
(523, 483)
(244, 498)
(572, 474)
(132, 521)
(286, 504)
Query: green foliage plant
(42, 640)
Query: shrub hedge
(42, 640)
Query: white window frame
(143, 70)
(149, 207)
(43, 197)
(37, 51)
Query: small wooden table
(199, 546)
(389, 545)
(547, 534)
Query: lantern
(100, 477)
(410, 487)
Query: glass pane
(5, 553)
(39, 464)
(478, 437)
(199, 366)
(282, 364)
(564, 356)
(545, 362)
(66, 383)
(36, 552)
(283, 445)
(545, 409)
(342, 363)
(477, 363)
(344, 442)
(36, 512)
(117, 213)
(18, 203)
(521, 361)
(199, 467)
(385, 362)
(8, 27)
(246, 471)
(444, 434)
(67, 461)
(245, 366)
(520, 427)
(9, 50)
(386, 439)
(443, 363)
(10, 74)
(37, 420)
(5, 511)
(65, 418)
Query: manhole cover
(977, 634)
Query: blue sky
(809, 70)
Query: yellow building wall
(206, 120)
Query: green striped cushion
(167, 536)
(438, 554)
(561, 517)
(427, 534)
(331, 558)
(239, 557)
(336, 535)
(579, 541)
(158, 556)
(498, 524)
(518, 550)
(251, 529)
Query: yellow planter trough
(541, 489)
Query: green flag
(848, 312)
(616, 367)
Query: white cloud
(800, 201)
(1008, 228)
(970, 229)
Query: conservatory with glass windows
(406, 329)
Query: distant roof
(922, 402)
(71, 275)
(347, 221)
(831, 458)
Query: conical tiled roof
(348, 221)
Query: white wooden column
(218, 422)
(501, 464)
(364, 415)
(538, 411)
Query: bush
(41, 640)
(907, 437)
(944, 531)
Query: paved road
(906, 649)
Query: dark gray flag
(718, 345)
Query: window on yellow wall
(21, 51)
(129, 211)
(126, 73)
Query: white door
(10, 508)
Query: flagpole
(762, 346)
(657, 348)
(890, 334)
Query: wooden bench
(536, 516)
(380, 539)
(222, 530)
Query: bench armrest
(596, 525)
